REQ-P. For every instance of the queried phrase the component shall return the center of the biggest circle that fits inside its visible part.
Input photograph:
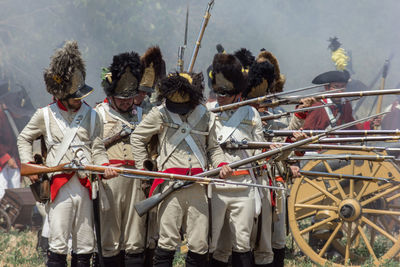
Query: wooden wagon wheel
(352, 219)
(5, 221)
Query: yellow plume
(340, 58)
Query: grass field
(19, 249)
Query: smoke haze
(296, 31)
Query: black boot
(279, 257)
(56, 260)
(113, 261)
(242, 259)
(148, 257)
(217, 263)
(196, 260)
(163, 257)
(265, 265)
(80, 260)
(134, 260)
(74, 259)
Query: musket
(288, 113)
(206, 18)
(347, 176)
(359, 139)
(181, 50)
(74, 165)
(371, 85)
(10, 120)
(125, 131)
(262, 99)
(296, 99)
(378, 158)
(383, 79)
(260, 145)
(147, 204)
(273, 133)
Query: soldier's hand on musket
(298, 135)
(273, 146)
(225, 172)
(12, 163)
(34, 178)
(109, 173)
(307, 102)
(376, 122)
(295, 171)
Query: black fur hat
(65, 76)
(182, 91)
(123, 76)
(154, 69)
(260, 79)
(245, 57)
(227, 75)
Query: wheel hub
(350, 210)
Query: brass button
(183, 130)
(220, 138)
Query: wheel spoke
(393, 197)
(348, 243)
(377, 196)
(317, 207)
(335, 181)
(383, 212)
(316, 186)
(316, 195)
(371, 251)
(377, 228)
(329, 241)
(315, 225)
(366, 184)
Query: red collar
(62, 107)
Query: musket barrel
(345, 176)
(260, 145)
(295, 100)
(260, 99)
(341, 132)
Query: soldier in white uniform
(265, 78)
(71, 130)
(237, 206)
(187, 144)
(123, 232)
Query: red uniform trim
(181, 171)
(57, 181)
(124, 162)
(3, 160)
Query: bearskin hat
(279, 79)
(122, 78)
(65, 76)
(260, 79)
(245, 57)
(154, 69)
(182, 91)
(227, 75)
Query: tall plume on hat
(123, 76)
(227, 74)
(279, 79)
(154, 68)
(64, 63)
(339, 55)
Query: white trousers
(9, 178)
(71, 215)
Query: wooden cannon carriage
(357, 219)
